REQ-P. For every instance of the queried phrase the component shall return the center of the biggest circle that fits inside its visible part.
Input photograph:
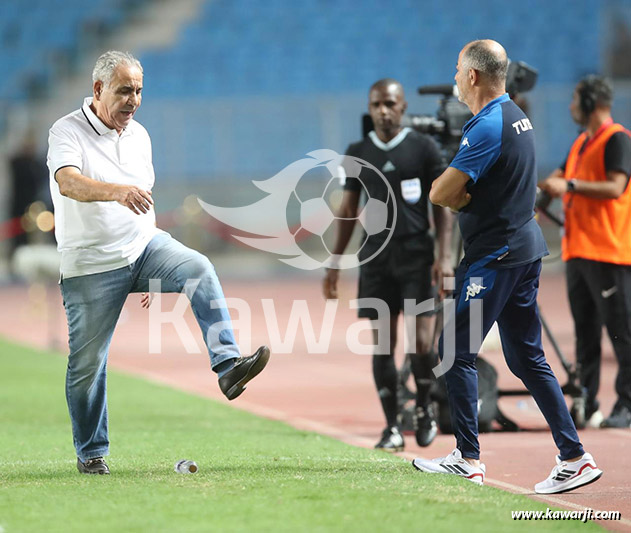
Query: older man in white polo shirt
(101, 176)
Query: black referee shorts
(402, 271)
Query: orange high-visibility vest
(599, 230)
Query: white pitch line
(366, 443)
(266, 412)
(363, 442)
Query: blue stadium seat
(248, 48)
(39, 36)
(265, 48)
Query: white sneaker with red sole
(568, 476)
(452, 464)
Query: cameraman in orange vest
(596, 245)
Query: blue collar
(487, 107)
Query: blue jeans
(93, 304)
(510, 298)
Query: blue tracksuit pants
(509, 297)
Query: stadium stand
(251, 85)
(239, 50)
(246, 47)
(42, 46)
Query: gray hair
(488, 59)
(107, 63)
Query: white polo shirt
(98, 237)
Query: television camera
(446, 126)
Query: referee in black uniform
(405, 268)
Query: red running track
(333, 394)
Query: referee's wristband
(571, 185)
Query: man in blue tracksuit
(492, 184)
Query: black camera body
(445, 127)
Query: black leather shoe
(245, 368)
(425, 427)
(93, 466)
(391, 440)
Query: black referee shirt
(410, 162)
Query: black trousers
(600, 294)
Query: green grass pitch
(254, 474)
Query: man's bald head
(385, 83)
(489, 59)
(386, 105)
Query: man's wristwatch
(571, 185)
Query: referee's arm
(346, 218)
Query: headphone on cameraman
(593, 90)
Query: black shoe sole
(237, 389)
(574, 488)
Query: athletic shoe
(586, 413)
(567, 476)
(595, 420)
(620, 417)
(425, 427)
(93, 466)
(391, 440)
(233, 383)
(452, 464)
